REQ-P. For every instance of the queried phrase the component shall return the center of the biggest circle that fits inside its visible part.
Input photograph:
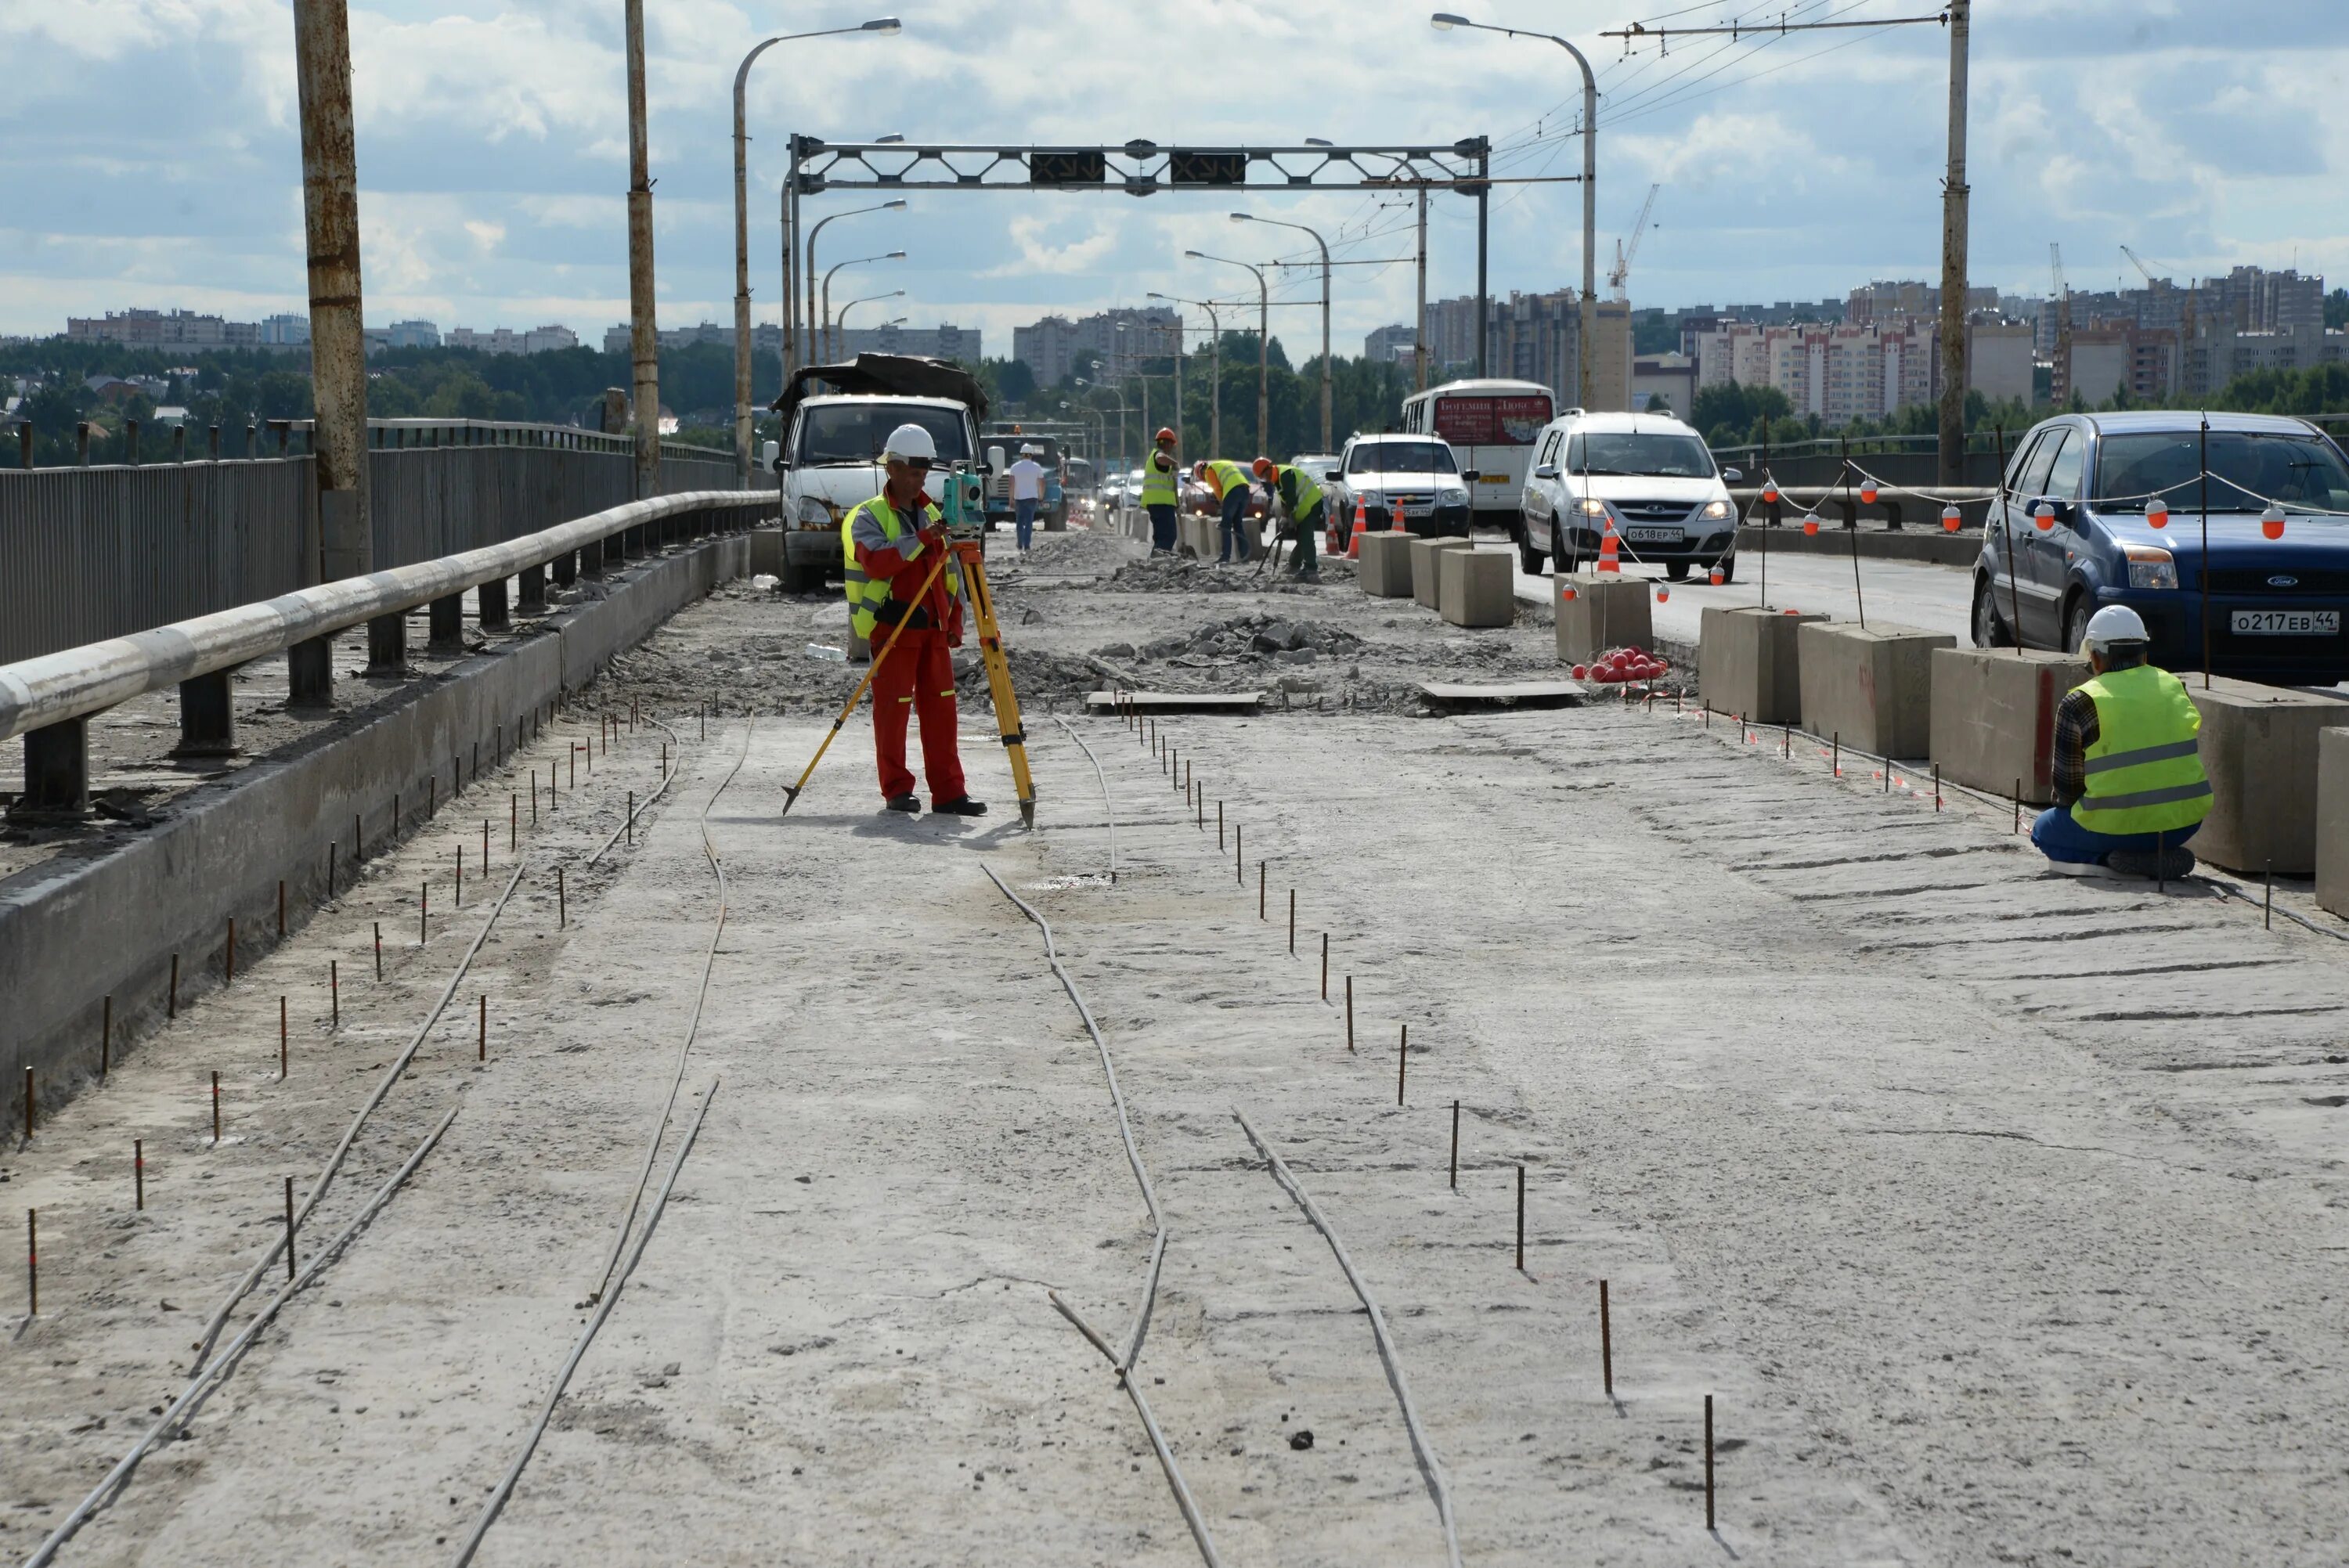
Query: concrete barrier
(1473, 587)
(76, 929)
(1994, 717)
(2259, 747)
(1747, 663)
(1604, 612)
(1384, 569)
(1871, 685)
(2333, 821)
(767, 551)
(1423, 565)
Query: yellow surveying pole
(999, 671)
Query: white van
(1652, 475)
(1491, 426)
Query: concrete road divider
(1473, 588)
(1423, 565)
(1994, 717)
(1747, 663)
(1384, 570)
(1871, 685)
(2259, 747)
(1596, 613)
(2333, 821)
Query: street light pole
(1445, 21)
(1278, 223)
(858, 261)
(1215, 369)
(886, 26)
(1951, 468)
(851, 305)
(1263, 347)
(644, 340)
(816, 345)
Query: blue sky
(150, 153)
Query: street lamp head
(895, 136)
(896, 206)
(1243, 217)
(1319, 141)
(1194, 255)
(1154, 294)
(887, 26)
(1445, 21)
(894, 256)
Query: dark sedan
(2109, 509)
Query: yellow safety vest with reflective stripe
(1228, 476)
(2145, 771)
(1296, 486)
(1157, 485)
(868, 595)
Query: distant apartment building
(1663, 383)
(1389, 344)
(159, 329)
(290, 329)
(505, 340)
(944, 341)
(1122, 337)
(1842, 371)
(1879, 300)
(2222, 326)
(1538, 337)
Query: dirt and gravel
(1998, 1214)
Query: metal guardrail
(74, 682)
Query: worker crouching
(2128, 768)
(893, 546)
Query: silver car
(1419, 472)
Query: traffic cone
(1608, 560)
(1397, 524)
(1361, 526)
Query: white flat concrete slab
(1504, 694)
(1174, 701)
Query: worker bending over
(1301, 500)
(1158, 494)
(1230, 483)
(2128, 772)
(891, 542)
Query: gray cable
(630, 820)
(1183, 1498)
(1106, 817)
(1429, 1466)
(217, 1370)
(491, 1510)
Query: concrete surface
(1871, 685)
(1926, 544)
(1604, 610)
(2333, 821)
(1384, 569)
(1748, 662)
(1937, 598)
(1994, 717)
(1472, 588)
(1424, 581)
(2259, 747)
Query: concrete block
(2332, 820)
(2259, 747)
(1994, 717)
(1423, 565)
(1871, 685)
(767, 551)
(1746, 663)
(1473, 587)
(1597, 611)
(1384, 569)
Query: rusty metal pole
(330, 213)
(742, 268)
(644, 342)
(1952, 423)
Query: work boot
(2169, 865)
(909, 804)
(961, 806)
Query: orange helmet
(1165, 436)
(1262, 467)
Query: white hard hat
(2115, 624)
(908, 441)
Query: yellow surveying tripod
(969, 547)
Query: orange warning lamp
(1811, 522)
(1951, 520)
(1867, 491)
(2271, 521)
(1565, 594)
(2043, 516)
(1715, 576)
(1770, 491)
(2156, 513)
(1662, 594)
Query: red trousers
(916, 679)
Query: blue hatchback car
(2099, 481)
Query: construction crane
(2059, 381)
(2138, 262)
(1624, 254)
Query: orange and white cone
(1361, 526)
(1397, 523)
(1608, 560)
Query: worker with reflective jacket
(1299, 499)
(1230, 483)
(2127, 772)
(890, 544)
(1159, 497)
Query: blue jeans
(1232, 538)
(1162, 528)
(1023, 519)
(2059, 836)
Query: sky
(151, 156)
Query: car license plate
(2287, 623)
(1652, 535)
(1494, 479)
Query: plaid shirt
(2075, 731)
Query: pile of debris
(1044, 681)
(1074, 555)
(1182, 574)
(1255, 639)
